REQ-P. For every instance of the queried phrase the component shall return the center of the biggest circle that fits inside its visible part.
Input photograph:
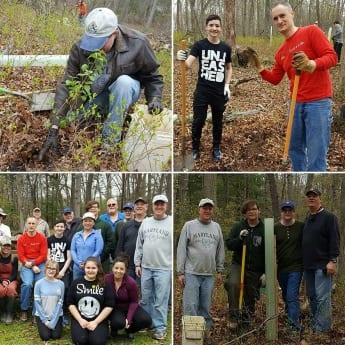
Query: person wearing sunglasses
(113, 215)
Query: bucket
(193, 329)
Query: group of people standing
(305, 49)
(306, 249)
(79, 270)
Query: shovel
(38, 101)
(291, 116)
(187, 160)
(240, 300)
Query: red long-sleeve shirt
(313, 42)
(33, 248)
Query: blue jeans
(319, 291)
(113, 103)
(155, 292)
(197, 296)
(311, 134)
(28, 278)
(289, 283)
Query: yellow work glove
(300, 61)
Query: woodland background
(51, 27)
(229, 191)
(255, 119)
(21, 193)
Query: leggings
(47, 333)
(82, 336)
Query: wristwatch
(334, 260)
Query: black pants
(202, 99)
(47, 333)
(251, 292)
(82, 336)
(337, 48)
(141, 319)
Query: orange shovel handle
(291, 115)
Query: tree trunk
(230, 22)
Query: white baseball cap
(206, 201)
(99, 25)
(89, 215)
(160, 197)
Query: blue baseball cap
(129, 205)
(67, 209)
(287, 204)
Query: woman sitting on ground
(127, 313)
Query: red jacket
(33, 248)
(312, 40)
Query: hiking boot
(196, 155)
(159, 335)
(23, 316)
(217, 155)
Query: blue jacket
(82, 248)
(106, 218)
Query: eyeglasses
(51, 268)
(109, 205)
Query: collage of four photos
(172, 172)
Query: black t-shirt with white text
(89, 297)
(212, 60)
(58, 249)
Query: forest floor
(254, 124)
(22, 131)
(255, 334)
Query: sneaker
(196, 155)
(9, 319)
(159, 335)
(217, 155)
(23, 316)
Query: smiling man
(200, 253)
(320, 248)
(153, 263)
(308, 50)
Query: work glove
(227, 92)
(182, 55)
(155, 107)
(263, 280)
(52, 141)
(300, 61)
(243, 234)
(253, 59)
